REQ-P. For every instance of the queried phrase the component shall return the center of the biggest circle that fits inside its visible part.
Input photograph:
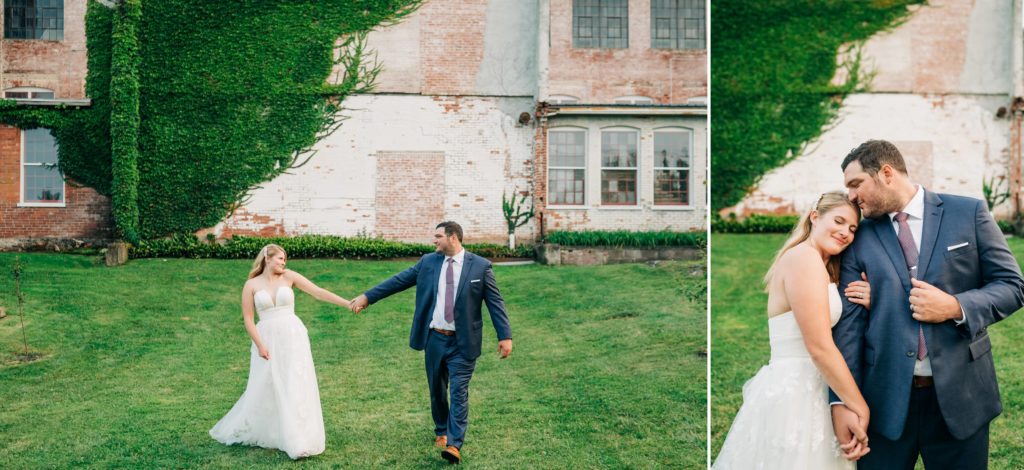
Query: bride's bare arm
(248, 316)
(805, 282)
(319, 293)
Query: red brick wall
(57, 65)
(452, 46)
(86, 215)
(410, 194)
(601, 75)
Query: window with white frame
(634, 99)
(34, 19)
(678, 24)
(619, 167)
(567, 157)
(563, 99)
(600, 24)
(41, 180)
(672, 163)
(28, 93)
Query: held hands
(851, 432)
(859, 292)
(504, 348)
(358, 304)
(931, 305)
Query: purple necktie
(910, 253)
(449, 292)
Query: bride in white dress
(785, 421)
(280, 408)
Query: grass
(739, 336)
(139, 361)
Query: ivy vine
(771, 70)
(195, 102)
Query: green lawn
(739, 342)
(141, 360)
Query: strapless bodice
(282, 303)
(784, 333)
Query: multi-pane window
(677, 24)
(600, 23)
(619, 168)
(567, 156)
(28, 93)
(34, 19)
(42, 181)
(672, 167)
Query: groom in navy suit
(451, 285)
(941, 273)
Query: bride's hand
(264, 353)
(859, 292)
(851, 431)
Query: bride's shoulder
(801, 259)
(251, 284)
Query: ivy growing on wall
(772, 67)
(208, 98)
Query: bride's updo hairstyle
(802, 231)
(261, 259)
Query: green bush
(306, 246)
(756, 223)
(1006, 227)
(625, 238)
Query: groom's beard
(884, 204)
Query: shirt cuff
(963, 317)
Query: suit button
(910, 354)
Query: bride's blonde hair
(802, 231)
(261, 259)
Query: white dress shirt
(915, 209)
(438, 319)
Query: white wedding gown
(280, 408)
(785, 422)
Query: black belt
(923, 381)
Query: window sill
(673, 208)
(42, 204)
(619, 208)
(570, 208)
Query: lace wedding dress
(785, 422)
(280, 408)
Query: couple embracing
(900, 363)
(280, 408)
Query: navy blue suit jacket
(964, 254)
(476, 286)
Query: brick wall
(57, 65)
(601, 75)
(86, 214)
(410, 191)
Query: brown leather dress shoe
(441, 442)
(451, 454)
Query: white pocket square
(951, 248)
(474, 280)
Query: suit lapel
(436, 266)
(929, 231)
(467, 260)
(891, 244)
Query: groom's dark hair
(873, 154)
(451, 228)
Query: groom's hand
(358, 304)
(852, 437)
(504, 348)
(931, 305)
